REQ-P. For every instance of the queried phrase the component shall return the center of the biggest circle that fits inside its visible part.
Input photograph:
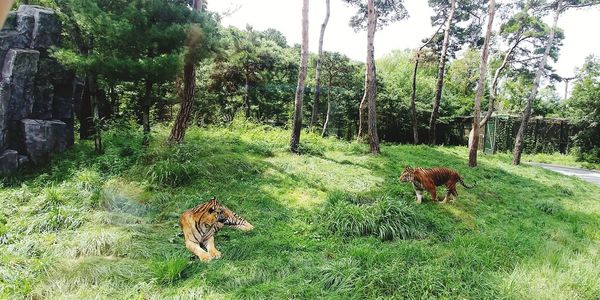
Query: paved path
(587, 175)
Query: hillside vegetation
(334, 222)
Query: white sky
(580, 28)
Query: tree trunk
(85, 113)
(372, 78)
(93, 97)
(481, 85)
(246, 96)
(518, 149)
(187, 99)
(494, 85)
(197, 5)
(297, 122)
(187, 103)
(146, 103)
(440, 78)
(315, 108)
(328, 108)
(361, 109)
(413, 99)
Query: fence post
(535, 135)
(560, 138)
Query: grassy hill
(332, 223)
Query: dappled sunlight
(325, 174)
(300, 197)
(460, 215)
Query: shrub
(171, 173)
(341, 275)
(386, 219)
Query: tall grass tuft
(341, 275)
(384, 218)
(169, 270)
(549, 207)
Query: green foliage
(583, 106)
(387, 12)
(549, 207)
(169, 270)
(387, 219)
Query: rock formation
(37, 94)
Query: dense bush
(384, 218)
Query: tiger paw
(205, 258)
(216, 254)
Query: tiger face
(408, 175)
(228, 218)
(217, 213)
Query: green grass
(332, 223)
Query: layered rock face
(37, 94)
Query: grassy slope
(106, 226)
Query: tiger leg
(446, 198)
(210, 246)
(193, 246)
(433, 193)
(454, 193)
(419, 196)
(198, 251)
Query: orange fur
(200, 223)
(430, 179)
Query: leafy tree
(558, 7)
(372, 15)
(254, 72)
(453, 13)
(193, 42)
(395, 93)
(136, 41)
(583, 107)
(338, 74)
(413, 109)
(480, 86)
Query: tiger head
(225, 217)
(408, 175)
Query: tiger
(429, 179)
(199, 225)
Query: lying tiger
(429, 179)
(200, 224)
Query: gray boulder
(19, 69)
(9, 162)
(45, 31)
(42, 138)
